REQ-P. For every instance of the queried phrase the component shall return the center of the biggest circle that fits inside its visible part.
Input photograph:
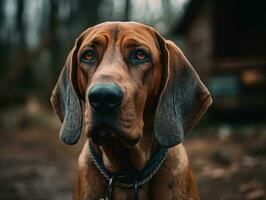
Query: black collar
(132, 178)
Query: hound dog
(135, 95)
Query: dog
(135, 95)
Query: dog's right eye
(89, 56)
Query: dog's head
(120, 76)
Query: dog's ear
(183, 100)
(65, 99)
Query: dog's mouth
(106, 128)
(104, 134)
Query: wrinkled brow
(97, 39)
(133, 42)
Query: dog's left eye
(89, 56)
(139, 56)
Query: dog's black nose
(105, 97)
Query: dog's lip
(102, 135)
(106, 135)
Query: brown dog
(136, 95)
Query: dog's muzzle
(105, 100)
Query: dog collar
(131, 178)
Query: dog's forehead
(122, 26)
(120, 29)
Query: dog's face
(119, 69)
(119, 76)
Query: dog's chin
(109, 137)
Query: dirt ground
(229, 162)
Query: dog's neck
(117, 158)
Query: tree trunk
(127, 10)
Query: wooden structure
(226, 42)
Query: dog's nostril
(114, 98)
(94, 100)
(105, 97)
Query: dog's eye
(139, 56)
(88, 56)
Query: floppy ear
(65, 100)
(183, 100)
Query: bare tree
(127, 10)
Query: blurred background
(225, 42)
